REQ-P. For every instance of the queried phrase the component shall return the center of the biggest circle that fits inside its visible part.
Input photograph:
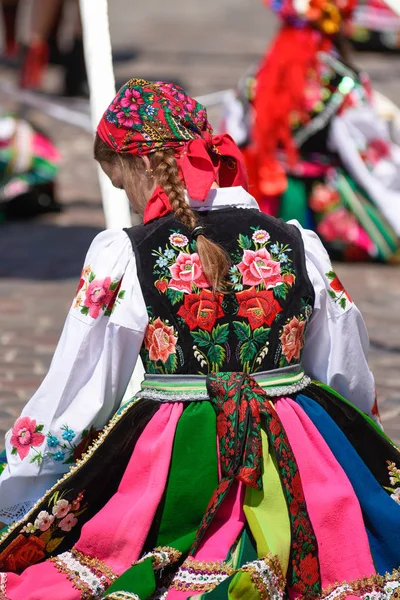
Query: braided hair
(214, 260)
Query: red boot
(34, 65)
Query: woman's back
(260, 322)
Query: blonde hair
(214, 260)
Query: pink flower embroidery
(186, 272)
(292, 339)
(98, 294)
(258, 267)
(24, 435)
(68, 522)
(178, 239)
(160, 340)
(61, 508)
(44, 521)
(260, 236)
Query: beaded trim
(82, 577)
(79, 463)
(95, 565)
(375, 587)
(193, 396)
(267, 576)
(163, 556)
(121, 596)
(172, 396)
(3, 585)
(197, 576)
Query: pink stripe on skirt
(335, 512)
(117, 533)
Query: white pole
(98, 58)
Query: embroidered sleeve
(100, 290)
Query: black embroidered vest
(259, 325)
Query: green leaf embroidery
(174, 296)
(216, 354)
(331, 275)
(39, 428)
(202, 338)
(261, 335)
(280, 291)
(220, 333)
(108, 312)
(332, 294)
(342, 303)
(172, 363)
(92, 277)
(121, 295)
(114, 285)
(85, 310)
(242, 330)
(248, 351)
(14, 451)
(244, 242)
(37, 458)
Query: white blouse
(99, 348)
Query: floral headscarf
(145, 117)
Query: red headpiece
(145, 117)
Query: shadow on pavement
(30, 250)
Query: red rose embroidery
(160, 340)
(202, 310)
(292, 339)
(258, 307)
(22, 553)
(186, 272)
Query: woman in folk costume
(231, 474)
(317, 151)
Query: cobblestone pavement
(206, 47)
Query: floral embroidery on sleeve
(337, 291)
(26, 435)
(96, 295)
(66, 448)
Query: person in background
(9, 9)
(43, 46)
(236, 471)
(29, 164)
(314, 145)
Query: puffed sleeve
(89, 373)
(337, 342)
